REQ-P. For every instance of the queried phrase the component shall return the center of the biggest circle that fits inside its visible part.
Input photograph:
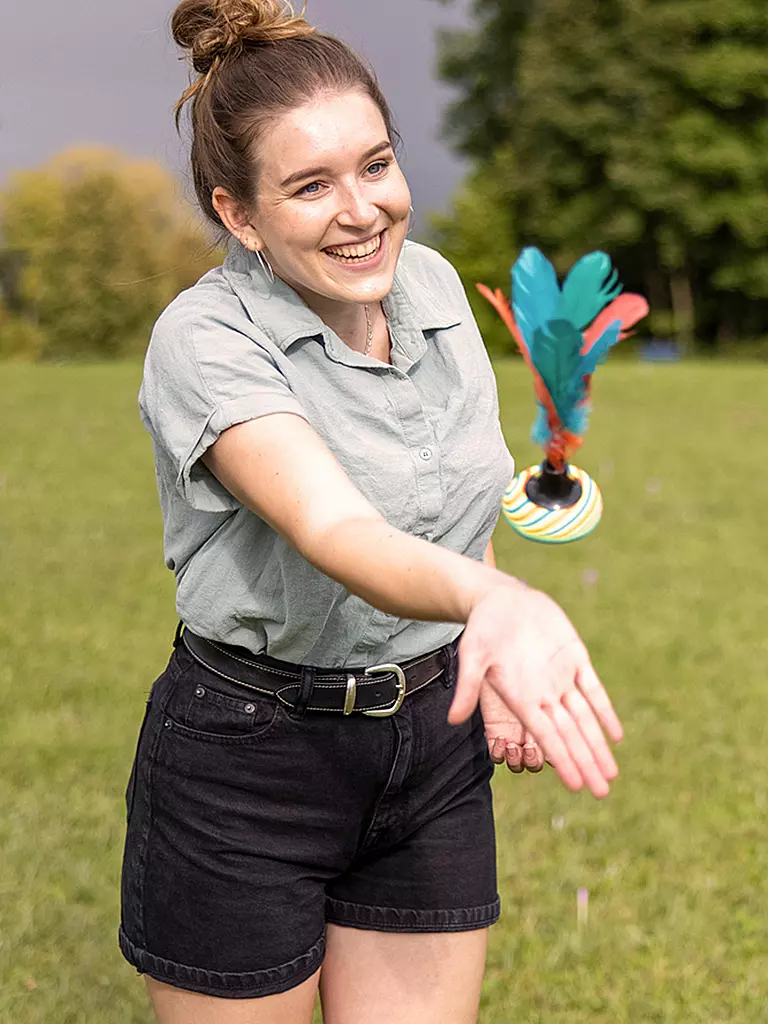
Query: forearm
(279, 468)
(401, 574)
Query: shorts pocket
(214, 713)
(208, 707)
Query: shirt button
(425, 454)
(429, 536)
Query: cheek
(399, 198)
(299, 231)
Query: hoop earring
(410, 221)
(266, 266)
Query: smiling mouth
(360, 253)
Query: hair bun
(211, 30)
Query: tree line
(635, 126)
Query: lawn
(670, 594)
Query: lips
(358, 253)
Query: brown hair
(255, 59)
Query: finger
(580, 753)
(556, 751)
(588, 682)
(533, 758)
(497, 748)
(468, 683)
(514, 757)
(590, 729)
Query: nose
(356, 210)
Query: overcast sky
(106, 71)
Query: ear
(235, 219)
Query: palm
(521, 643)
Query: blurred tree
(94, 246)
(639, 126)
(477, 236)
(482, 65)
(20, 339)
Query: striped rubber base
(552, 526)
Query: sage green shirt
(420, 438)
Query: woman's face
(333, 206)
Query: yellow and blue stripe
(556, 525)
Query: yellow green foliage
(95, 245)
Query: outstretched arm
(516, 639)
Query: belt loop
(307, 685)
(451, 652)
(177, 638)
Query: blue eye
(383, 164)
(312, 185)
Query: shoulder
(204, 344)
(209, 305)
(204, 332)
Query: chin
(373, 291)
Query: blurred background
(637, 126)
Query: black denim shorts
(249, 830)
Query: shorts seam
(225, 984)
(395, 919)
(141, 859)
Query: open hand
(522, 644)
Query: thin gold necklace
(368, 332)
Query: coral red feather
(627, 308)
(501, 304)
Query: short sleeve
(202, 376)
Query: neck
(346, 319)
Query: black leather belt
(378, 691)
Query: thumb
(468, 683)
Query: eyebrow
(315, 172)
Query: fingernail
(514, 755)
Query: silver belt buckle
(377, 670)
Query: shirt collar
(285, 318)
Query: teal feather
(541, 434)
(599, 351)
(535, 292)
(556, 354)
(578, 418)
(551, 322)
(588, 288)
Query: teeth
(356, 251)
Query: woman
(311, 786)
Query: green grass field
(671, 594)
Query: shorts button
(425, 454)
(199, 691)
(167, 723)
(249, 709)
